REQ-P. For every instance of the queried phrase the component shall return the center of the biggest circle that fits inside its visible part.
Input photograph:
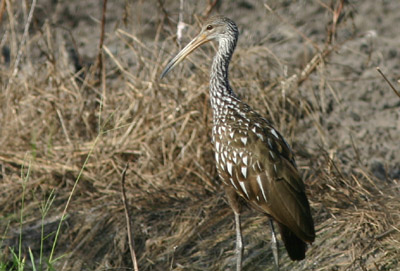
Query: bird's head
(217, 28)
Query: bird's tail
(295, 247)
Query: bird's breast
(246, 157)
(234, 159)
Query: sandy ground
(342, 120)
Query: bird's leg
(234, 203)
(274, 244)
(239, 242)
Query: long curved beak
(196, 42)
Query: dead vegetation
(75, 129)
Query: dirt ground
(68, 129)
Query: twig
(210, 7)
(101, 65)
(62, 124)
(324, 5)
(165, 12)
(23, 41)
(103, 22)
(386, 233)
(181, 25)
(2, 8)
(312, 64)
(335, 18)
(356, 151)
(128, 221)
(387, 80)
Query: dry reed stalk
(387, 81)
(128, 221)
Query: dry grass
(57, 117)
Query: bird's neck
(221, 92)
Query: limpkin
(253, 159)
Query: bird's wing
(259, 164)
(274, 178)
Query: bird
(254, 162)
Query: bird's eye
(209, 27)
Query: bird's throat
(220, 89)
